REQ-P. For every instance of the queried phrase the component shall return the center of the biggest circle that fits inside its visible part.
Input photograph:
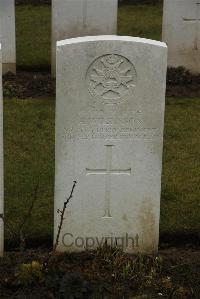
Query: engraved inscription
(111, 79)
(109, 128)
(108, 171)
(107, 132)
(195, 20)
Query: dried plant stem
(27, 216)
(62, 213)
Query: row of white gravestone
(109, 135)
(7, 35)
(81, 18)
(73, 18)
(69, 19)
(181, 32)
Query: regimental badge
(111, 79)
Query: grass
(33, 36)
(140, 20)
(29, 159)
(180, 205)
(33, 30)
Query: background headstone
(7, 35)
(181, 32)
(1, 161)
(81, 18)
(109, 137)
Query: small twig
(27, 216)
(62, 216)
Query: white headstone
(109, 137)
(1, 161)
(74, 18)
(7, 35)
(181, 32)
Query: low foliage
(73, 286)
(28, 274)
(105, 273)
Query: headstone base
(184, 60)
(9, 67)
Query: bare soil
(181, 83)
(26, 84)
(105, 274)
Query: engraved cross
(85, 6)
(108, 171)
(196, 21)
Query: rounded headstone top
(110, 38)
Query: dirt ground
(26, 85)
(23, 85)
(102, 274)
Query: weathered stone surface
(181, 32)
(109, 137)
(81, 18)
(7, 35)
(1, 162)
